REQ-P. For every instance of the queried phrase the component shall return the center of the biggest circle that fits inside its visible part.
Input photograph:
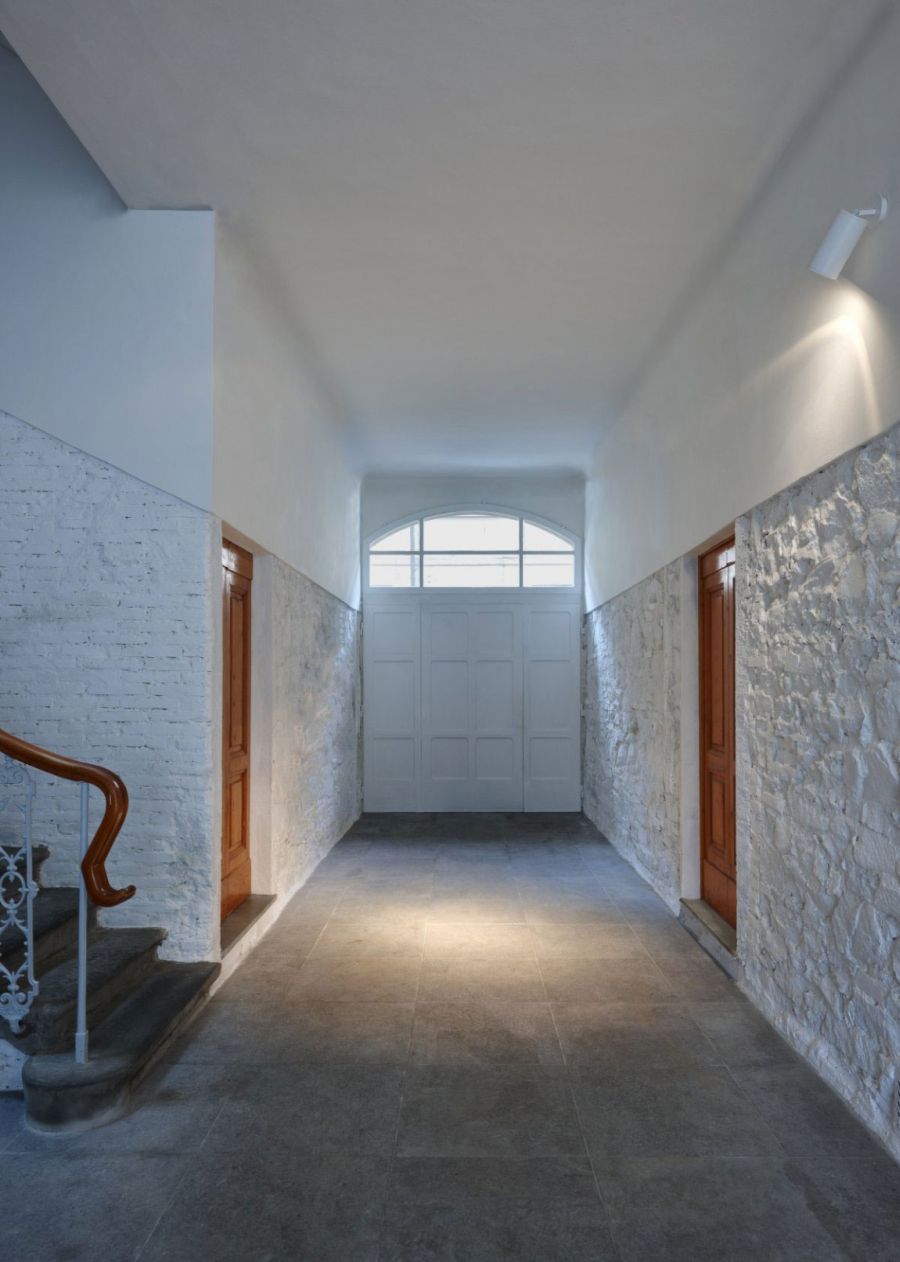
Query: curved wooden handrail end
(93, 866)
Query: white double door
(471, 702)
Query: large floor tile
(455, 1112)
(451, 939)
(804, 1112)
(457, 907)
(485, 1035)
(696, 1111)
(365, 979)
(513, 978)
(613, 1039)
(605, 981)
(266, 983)
(391, 908)
(699, 980)
(741, 1035)
(347, 1033)
(236, 1033)
(502, 1231)
(99, 1209)
(711, 1210)
(312, 1109)
(436, 1180)
(587, 941)
(856, 1202)
(256, 1206)
(572, 909)
(12, 1119)
(371, 936)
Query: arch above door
(475, 546)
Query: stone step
(118, 961)
(55, 930)
(61, 1095)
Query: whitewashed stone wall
(316, 789)
(632, 726)
(818, 746)
(818, 722)
(109, 653)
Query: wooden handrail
(93, 866)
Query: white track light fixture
(842, 238)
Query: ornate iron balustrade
(18, 888)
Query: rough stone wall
(632, 726)
(315, 730)
(818, 722)
(108, 653)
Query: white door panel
(472, 702)
(471, 716)
(553, 707)
(391, 705)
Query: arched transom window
(472, 549)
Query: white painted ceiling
(480, 211)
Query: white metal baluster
(29, 902)
(81, 1031)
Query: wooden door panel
(237, 574)
(717, 822)
(237, 654)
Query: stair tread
(52, 908)
(110, 951)
(125, 1039)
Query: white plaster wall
(315, 782)
(283, 473)
(767, 371)
(558, 497)
(818, 720)
(109, 652)
(106, 313)
(632, 726)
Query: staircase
(136, 1002)
(85, 1010)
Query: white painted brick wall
(818, 746)
(108, 654)
(316, 788)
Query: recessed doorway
(718, 876)
(472, 664)
(237, 578)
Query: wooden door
(237, 574)
(717, 833)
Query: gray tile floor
(469, 1039)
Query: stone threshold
(714, 934)
(242, 919)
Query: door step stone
(712, 932)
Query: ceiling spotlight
(842, 237)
